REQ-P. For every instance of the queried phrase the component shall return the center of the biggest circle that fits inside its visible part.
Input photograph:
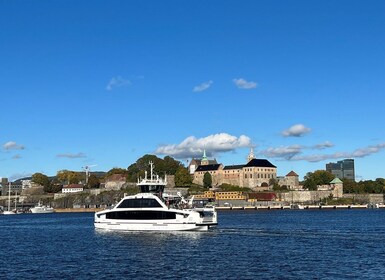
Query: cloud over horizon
(293, 152)
(243, 84)
(117, 81)
(213, 144)
(297, 130)
(11, 145)
(203, 86)
(70, 155)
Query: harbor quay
(297, 207)
(248, 208)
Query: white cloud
(323, 145)
(16, 156)
(117, 82)
(287, 152)
(297, 130)
(243, 84)
(293, 153)
(69, 155)
(202, 86)
(213, 144)
(13, 146)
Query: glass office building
(343, 169)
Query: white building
(26, 184)
(72, 188)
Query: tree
(69, 177)
(93, 181)
(183, 177)
(168, 165)
(318, 177)
(171, 166)
(41, 179)
(207, 180)
(273, 182)
(350, 186)
(117, 170)
(233, 188)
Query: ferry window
(139, 203)
(141, 215)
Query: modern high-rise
(343, 169)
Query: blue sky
(105, 82)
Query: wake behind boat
(149, 211)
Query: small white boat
(151, 211)
(40, 209)
(297, 206)
(9, 212)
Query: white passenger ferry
(150, 210)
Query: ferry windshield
(139, 203)
(151, 188)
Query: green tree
(318, 177)
(350, 186)
(171, 166)
(117, 170)
(168, 165)
(207, 180)
(93, 181)
(183, 177)
(233, 188)
(42, 180)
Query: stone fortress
(256, 174)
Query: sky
(102, 83)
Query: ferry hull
(152, 226)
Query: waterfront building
(72, 188)
(343, 169)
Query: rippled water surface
(276, 244)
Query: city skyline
(301, 83)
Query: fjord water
(275, 244)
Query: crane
(86, 168)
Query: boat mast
(9, 196)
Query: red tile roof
(74, 186)
(292, 173)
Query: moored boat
(41, 209)
(8, 211)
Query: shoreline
(227, 208)
(305, 207)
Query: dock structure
(287, 207)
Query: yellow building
(230, 196)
